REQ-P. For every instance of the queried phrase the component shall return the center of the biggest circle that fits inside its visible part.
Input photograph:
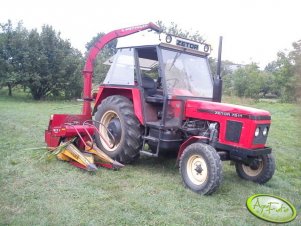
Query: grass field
(38, 191)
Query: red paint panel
(221, 113)
(51, 141)
(132, 94)
(57, 128)
(214, 106)
(138, 105)
(105, 92)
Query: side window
(148, 61)
(122, 70)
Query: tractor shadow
(164, 163)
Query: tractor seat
(151, 92)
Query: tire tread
(215, 166)
(133, 135)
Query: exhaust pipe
(218, 82)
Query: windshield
(186, 75)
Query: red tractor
(159, 96)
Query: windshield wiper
(174, 59)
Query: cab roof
(153, 38)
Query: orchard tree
(284, 76)
(43, 62)
(249, 81)
(53, 65)
(286, 72)
(13, 48)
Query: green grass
(37, 191)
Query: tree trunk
(9, 90)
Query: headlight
(265, 131)
(257, 132)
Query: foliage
(280, 79)
(226, 67)
(53, 66)
(296, 54)
(43, 62)
(249, 81)
(286, 72)
(12, 58)
(175, 30)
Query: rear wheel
(120, 127)
(260, 170)
(201, 168)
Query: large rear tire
(260, 172)
(116, 114)
(201, 168)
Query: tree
(296, 56)
(12, 54)
(286, 71)
(43, 62)
(53, 65)
(249, 81)
(73, 70)
(284, 78)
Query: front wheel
(259, 171)
(201, 168)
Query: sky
(252, 30)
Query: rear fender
(131, 93)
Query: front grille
(233, 131)
(261, 139)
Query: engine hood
(229, 110)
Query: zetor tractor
(158, 97)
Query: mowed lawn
(35, 190)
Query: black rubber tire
(131, 132)
(212, 162)
(263, 175)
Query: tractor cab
(166, 69)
